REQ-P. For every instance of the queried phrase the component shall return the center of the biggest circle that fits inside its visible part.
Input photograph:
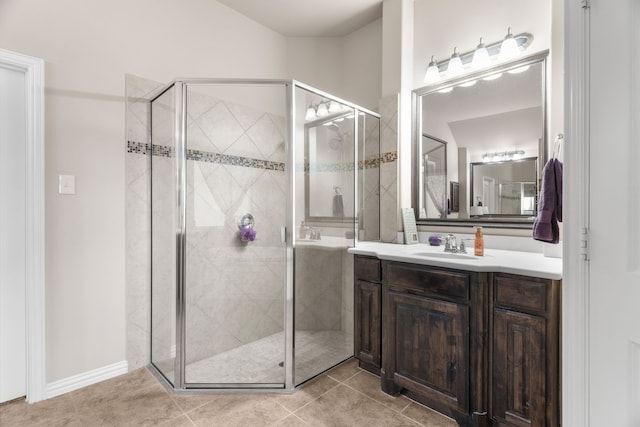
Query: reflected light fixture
(322, 110)
(325, 108)
(311, 113)
(502, 156)
(334, 107)
(482, 57)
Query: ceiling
(309, 18)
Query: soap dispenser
(478, 247)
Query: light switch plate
(66, 184)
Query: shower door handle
(283, 234)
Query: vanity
(475, 338)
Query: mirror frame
(416, 126)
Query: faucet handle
(462, 249)
(450, 243)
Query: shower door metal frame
(181, 176)
(288, 230)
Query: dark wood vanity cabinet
(482, 348)
(368, 295)
(525, 365)
(433, 344)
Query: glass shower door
(235, 259)
(163, 235)
(325, 219)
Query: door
(614, 202)
(12, 234)
(488, 194)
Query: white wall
(88, 46)
(440, 26)
(349, 67)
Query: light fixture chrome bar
(523, 40)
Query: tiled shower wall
(389, 211)
(235, 165)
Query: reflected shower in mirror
(504, 188)
(433, 177)
(487, 117)
(329, 146)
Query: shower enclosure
(258, 187)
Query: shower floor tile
(262, 361)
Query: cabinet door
(518, 395)
(367, 308)
(429, 349)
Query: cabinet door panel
(367, 307)
(519, 369)
(431, 348)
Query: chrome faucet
(451, 244)
(313, 233)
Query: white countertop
(325, 242)
(494, 260)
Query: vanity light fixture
(508, 48)
(323, 109)
(482, 57)
(502, 156)
(455, 68)
(432, 75)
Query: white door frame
(33, 69)
(575, 288)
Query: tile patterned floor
(345, 396)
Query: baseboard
(76, 382)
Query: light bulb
(334, 107)
(455, 67)
(480, 56)
(322, 110)
(433, 74)
(509, 47)
(311, 113)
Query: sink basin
(446, 255)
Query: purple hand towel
(545, 227)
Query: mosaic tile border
(204, 156)
(248, 162)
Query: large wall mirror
(492, 129)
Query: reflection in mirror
(493, 115)
(334, 140)
(433, 178)
(329, 150)
(504, 188)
